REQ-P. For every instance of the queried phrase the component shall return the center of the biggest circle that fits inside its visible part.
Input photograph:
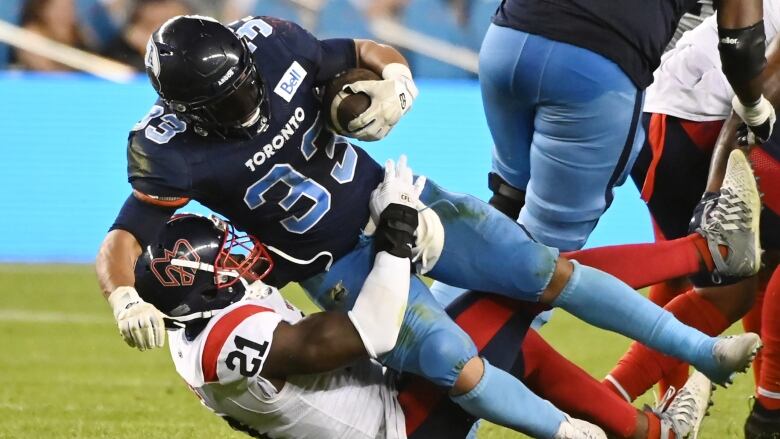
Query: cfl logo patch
(402, 98)
(405, 197)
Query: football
(342, 106)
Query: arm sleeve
(237, 345)
(329, 57)
(142, 220)
(379, 309)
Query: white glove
(429, 238)
(397, 187)
(140, 323)
(391, 98)
(759, 118)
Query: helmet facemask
(236, 108)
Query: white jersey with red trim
(689, 83)
(222, 366)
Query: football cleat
(578, 429)
(762, 423)
(682, 416)
(733, 354)
(732, 220)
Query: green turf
(77, 379)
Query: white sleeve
(239, 342)
(380, 306)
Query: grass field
(65, 373)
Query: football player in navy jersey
(238, 128)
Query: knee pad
(443, 354)
(506, 198)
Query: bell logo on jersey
(290, 81)
(172, 275)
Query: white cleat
(578, 429)
(682, 417)
(734, 354)
(732, 220)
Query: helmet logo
(172, 275)
(152, 59)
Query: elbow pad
(742, 52)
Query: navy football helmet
(199, 265)
(205, 73)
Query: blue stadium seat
(277, 8)
(10, 11)
(419, 15)
(96, 21)
(480, 12)
(341, 19)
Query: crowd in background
(119, 29)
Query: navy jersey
(295, 185)
(632, 33)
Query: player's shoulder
(236, 341)
(157, 153)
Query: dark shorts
(498, 326)
(671, 174)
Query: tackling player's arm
(742, 45)
(138, 222)
(325, 341)
(727, 139)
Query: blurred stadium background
(65, 372)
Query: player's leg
(484, 250)
(671, 172)
(431, 345)
(764, 419)
(587, 134)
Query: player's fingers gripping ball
(363, 105)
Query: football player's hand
(759, 118)
(140, 323)
(397, 187)
(391, 98)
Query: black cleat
(762, 423)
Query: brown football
(342, 106)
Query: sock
(553, 377)
(769, 382)
(502, 399)
(641, 367)
(654, 426)
(604, 301)
(751, 322)
(642, 265)
(661, 294)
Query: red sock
(641, 367)
(661, 294)
(654, 427)
(752, 323)
(769, 382)
(572, 390)
(642, 265)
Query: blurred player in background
(686, 107)
(238, 127)
(253, 358)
